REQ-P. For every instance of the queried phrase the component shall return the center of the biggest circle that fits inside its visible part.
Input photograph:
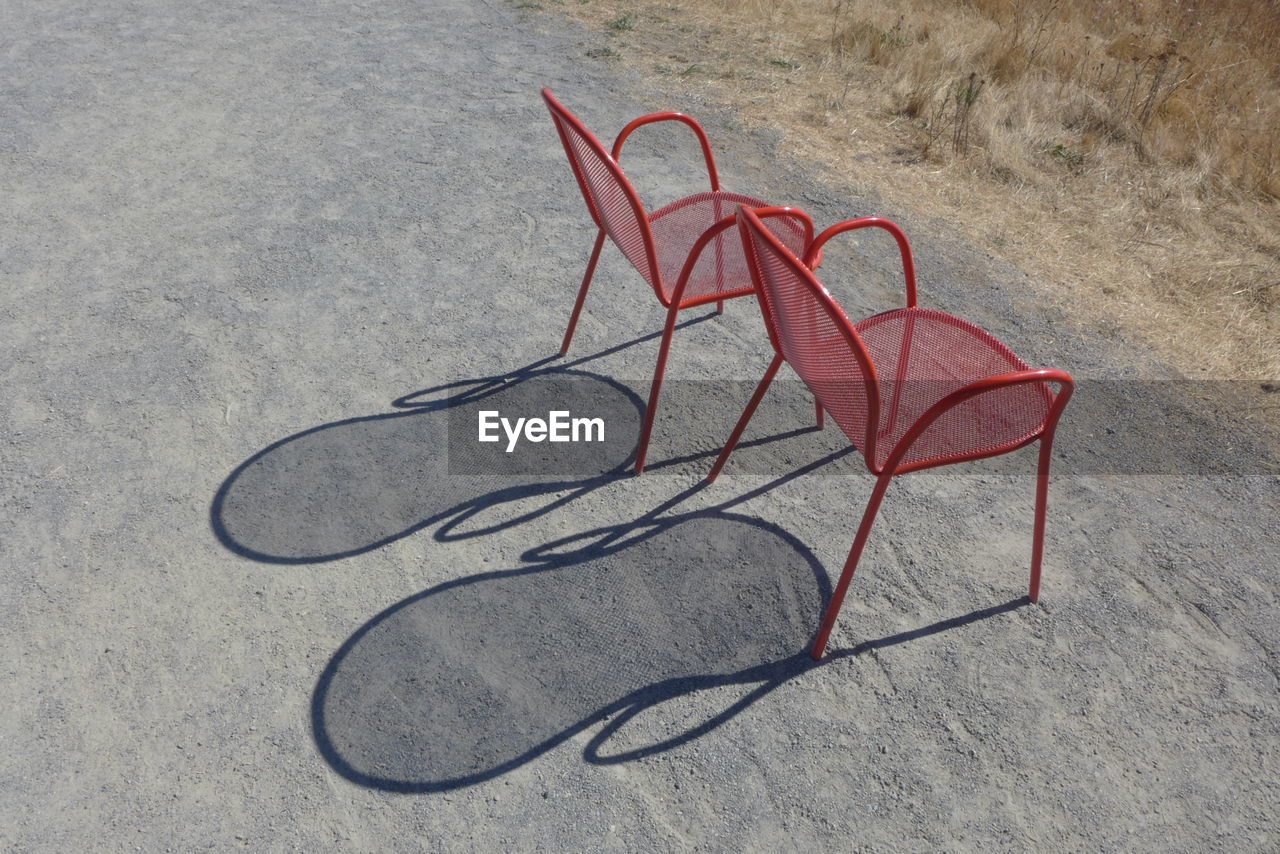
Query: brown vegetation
(1126, 153)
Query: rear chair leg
(656, 389)
(582, 293)
(746, 416)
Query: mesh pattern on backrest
(806, 325)
(606, 194)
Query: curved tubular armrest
(672, 117)
(707, 236)
(813, 257)
(977, 387)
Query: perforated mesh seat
(921, 356)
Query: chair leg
(656, 389)
(719, 306)
(582, 293)
(1042, 507)
(837, 595)
(818, 411)
(746, 416)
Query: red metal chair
(912, 388)
(687, 250)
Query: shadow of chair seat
(477, 676)
(351, 486)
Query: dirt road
(249, 252)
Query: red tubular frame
(582, 292)
(562, 116)
(748, 222)
(695, 252)
(672, 117)
(813, 257)
(959, 396)
(765, 381)
(703, 142)
(560, 113)
(886, 474)
(834, 311)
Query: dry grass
(1125, 153)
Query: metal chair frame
(646, 260)
(755, 235)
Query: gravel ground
(251, 253)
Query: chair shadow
(348, 487)
(475, 677)
(351, 486)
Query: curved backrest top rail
(612, 200)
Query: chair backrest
(614, 204)
(810, 330)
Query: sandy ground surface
(251, 253)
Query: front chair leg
(582, 293)
(1042, 507)
(837, 595)
(746, 416)
(656, 389)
